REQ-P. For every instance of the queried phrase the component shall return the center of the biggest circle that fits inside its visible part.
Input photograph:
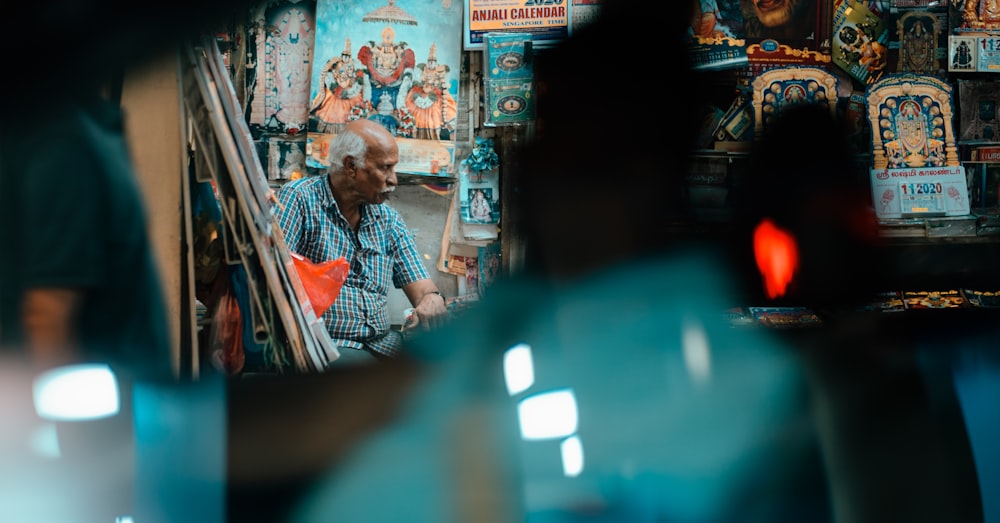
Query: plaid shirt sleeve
(290, 216)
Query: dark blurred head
(616, 106)
(803, 177)
(74, 47)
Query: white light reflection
(548, 415)
(518, 369)
(76, 392)
(572, 456)
(697, 357)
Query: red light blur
(777, 256)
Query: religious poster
(548, 21)
(974, 18)
(962, 53)
(395, 62)
(281, 53)
(479, 196)
(860, 41)
(717, 38)
(917, 42)
(787, 32)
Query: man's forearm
(47, 317)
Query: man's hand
(429, 307)
(431, 311)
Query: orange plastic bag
(321, 280)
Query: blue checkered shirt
(382, 252)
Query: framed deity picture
(479, 197)
(279, 85)
(916, 43)
(962, 54)
(395, 62)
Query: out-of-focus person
(79, 282)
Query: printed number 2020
(921, 188)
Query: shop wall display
(394, 62)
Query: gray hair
(346, 143)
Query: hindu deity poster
(917, 40)
(395, 62)
(479, 196)
(281, 52)
(279, 58)
(860, 42)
